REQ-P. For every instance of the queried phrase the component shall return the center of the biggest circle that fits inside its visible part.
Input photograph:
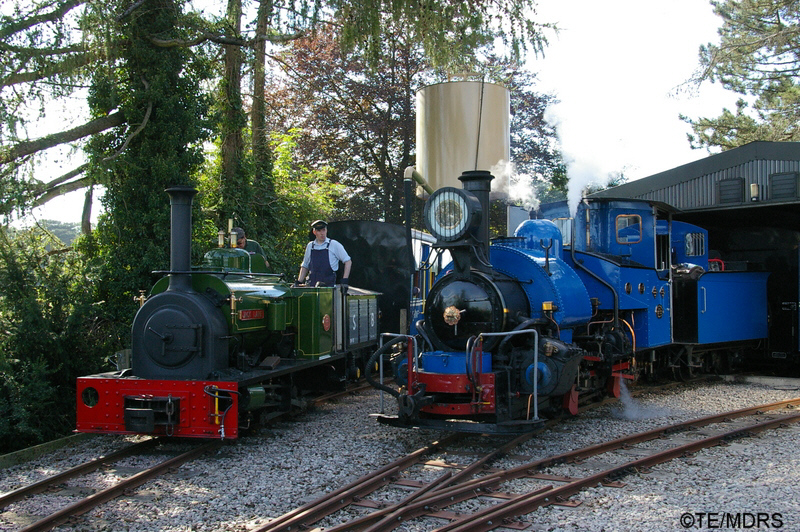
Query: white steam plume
(518, 188)
(581, 174)
(581, 156)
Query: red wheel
(570, 402)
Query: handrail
(415, 359)
(535, 361)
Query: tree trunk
(261, 155)
(86, 216)
(232, 143)
(90, 128)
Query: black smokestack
(479, 182)
(180, 257)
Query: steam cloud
(517, 188)
(582, 169)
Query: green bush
(51, 332)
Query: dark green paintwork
(284, 308)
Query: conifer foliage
(758, 56)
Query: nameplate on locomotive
(251, 314)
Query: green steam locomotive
(217, 347)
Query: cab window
(629, 228)
(695, 244)
(565, 226)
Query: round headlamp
(452, 212)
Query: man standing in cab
(322, 259)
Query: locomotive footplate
(108, 403)
(504, 427)
(275, 367)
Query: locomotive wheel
(570, 401)
(684, 369)
(720, 363)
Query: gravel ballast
(260, 477)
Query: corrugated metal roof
(722, 180)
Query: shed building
(749, 200)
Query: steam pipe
(411, 173)
(180, 257)
(407, 198)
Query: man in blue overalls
(322, 259)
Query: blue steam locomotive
(567, 308)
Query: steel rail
(42, 485)
(500, 514)
(342, 393)
(300, 518)
(400, 512)
(448, 489)
(112, 492)
(437, 492)
(611, 445)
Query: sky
(619, 68)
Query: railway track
(468, 497)
(104, 495)
(350, 390)
(52, 483)
(456, 481)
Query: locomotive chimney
(479, 182)
(180, 258)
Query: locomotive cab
(227, 259)
(654, 275)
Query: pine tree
(758, 57)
